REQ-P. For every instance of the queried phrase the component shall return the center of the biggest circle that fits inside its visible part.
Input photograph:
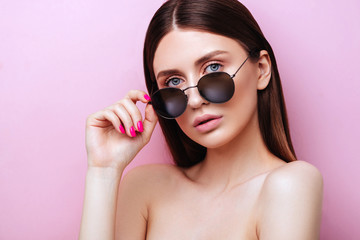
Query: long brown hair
(231, 19)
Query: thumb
(150, 120)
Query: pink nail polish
(122, 130)
(147, 97)
(140, 126)
(132, 132)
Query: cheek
(184, 123)
(240, 111)
(245, 96)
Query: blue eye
(173, 82)
(213, 68)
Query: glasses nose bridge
(189, 88)
(194, 98)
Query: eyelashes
(173, 82)
(213, 67)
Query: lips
(204, 119)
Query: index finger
(138, 95)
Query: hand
(117, 133)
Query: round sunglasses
(216, 87)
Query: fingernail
(140, 126)
(147, 97)
(132, 132)
(122, 130)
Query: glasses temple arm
(240, 67)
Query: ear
(264, 69)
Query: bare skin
(239, 191)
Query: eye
(214, 67)
(173, 82)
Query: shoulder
(151, 176)
(293, 181)
(143, 184)
(294, 173)
(152, 171)
(297, 173)
(291, 196)
(138, 188)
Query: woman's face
(182, 58)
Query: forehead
(181, 48)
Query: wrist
(105, 172)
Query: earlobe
(264, 65)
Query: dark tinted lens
(169, 102)
(216, 87)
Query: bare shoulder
(138, 189)
(291, 196)
(297, 174)
(153, 171)
(151, 176)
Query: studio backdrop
(63, 60)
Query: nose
(195, 100)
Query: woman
(236, 174)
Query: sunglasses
(216, 87)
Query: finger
(138, 95)
(125, 119)
(149, 121)
(134, 112)
(109, 116)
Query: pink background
(63, 60)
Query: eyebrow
(198, 62)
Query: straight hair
(231, 19)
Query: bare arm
(132, 205)
(101, 190)
(113, 138)
(290, 203)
